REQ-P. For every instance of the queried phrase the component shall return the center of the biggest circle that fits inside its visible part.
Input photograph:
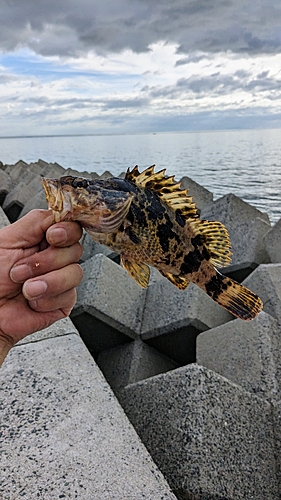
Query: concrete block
(64, 435)
(36, 168)
(107, 293)
(248, 354)
(4, 221)
(265, 281)
(6, 185)
(41, 163)
(52, 170)
(155, 275)
(167, 309)
(24, 172)
(209, 437)
(248, 247)
(77, 173)
(91, 248)
(37, 201)
(106, 174)
(277, 429)
(272, 242)
(36, 183)
(16, 199)
(201, 196)
(132, 362)
(231, 209)
(42, 168)
(62, 327)
(16, 170)
(246, 226)
(173, 318)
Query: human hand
(38, 275)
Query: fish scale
(151, 221)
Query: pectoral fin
(140, 272)
(108, 213)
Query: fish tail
(235, 298)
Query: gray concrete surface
(62, 327)
(36, 201)
(246, 226)
(4, 221)
(17, 170)
(210, 438)
(132, 362)
(52, 170)
(201, 196)
(91, 248)
(248, 245)
(272, 242)
(167, 309)
(249, 354)
(64, 433)
(7, 183)
(109, 294)
(16, 199)
(266, 282)
(230, 209)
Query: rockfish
(150, 221)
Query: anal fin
(178, 281)
(139, 271)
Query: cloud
(126, 103)
(124, 66)
(70, 28)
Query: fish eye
(80, 183)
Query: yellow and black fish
(151, 221)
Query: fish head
(96, 205)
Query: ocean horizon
(244, 162)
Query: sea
(246, 163)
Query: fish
(151, 221)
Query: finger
(40, 263)
(64, 234)
(53, 284)
(64, 302)
(27, 231)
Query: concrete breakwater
(157, 393)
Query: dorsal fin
(216, 240)
(166, 188)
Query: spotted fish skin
(151, 221)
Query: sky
(134, 66)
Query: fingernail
(20, 273)
(57, 235)
(33, 304)
(34, 289)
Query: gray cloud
(70, 27)
(216, 84)
(5, 79)
(126, 103)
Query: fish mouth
(58, 202)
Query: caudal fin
(236, 298)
